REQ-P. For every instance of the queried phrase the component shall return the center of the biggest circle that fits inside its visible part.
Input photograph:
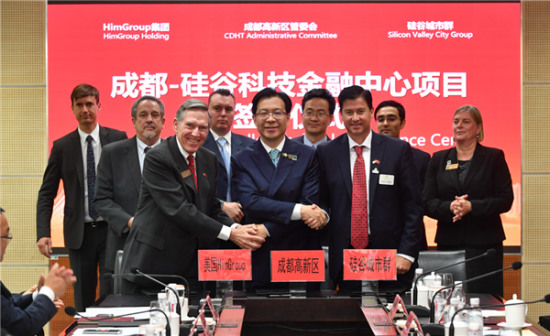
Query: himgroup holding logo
(127, 31)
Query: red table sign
(370, 265)
(222, 265)
(297, 266)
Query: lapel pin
(375, 161)
(290, 156)
(375, 170)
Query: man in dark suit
(278, 185)
(84, 230)
(390, 184)
(27, 313)
(225, 144)
(119, 174)
(177, 211)
(390, 119)
(317, 110)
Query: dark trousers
(85, 262)
(490, 285)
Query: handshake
(252, 236)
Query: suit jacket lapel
(342, 157)
(77, 151)
(283, 167)
(453, 173)
(182, 167)
(204, 186)
(132, 163)
(262, 160)
(478, 162)
(216, 150)
(376, 154)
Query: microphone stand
(69, 311)
(516, 265)
(178, 305)
(414, 294)
(452, 328)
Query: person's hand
(233, 210)
(31, 290)
(313, 216)
(58, 303)
(460, 207)
(58, 279)
(246, 237)
(262, 230)
(403, 265)
(45, 246)
(130, 222)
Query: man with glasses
(27, 313)
(390, 119)
(317, 110)
(277, 182)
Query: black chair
(430, 260)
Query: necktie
(359, 203)
(90, 176)
(227, 164)
(146, 149)
(191, 163)
(274, 155)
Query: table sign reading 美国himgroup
(297, 265)
(221, 265)
(370, 265)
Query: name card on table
(370, 265)
(298, 265)
(223, 265)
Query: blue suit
(238, 142)
(268, 195)
(394, 209)
(22, 316)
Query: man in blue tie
(278, 185)
(224, 143)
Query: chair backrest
(430, 260)
(117, 279)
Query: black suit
(238, 142)
(300, 139)
(65, 163)
(394, 209)
(22, 316)
(117, 195)
(173, 220)
(489, 187)
(421, 160)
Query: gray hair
(192, 104)
(139, 100)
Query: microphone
(489, 253)
(545, 299)
(71, 311)
(515, 266)
(135, 270)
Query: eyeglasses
(390, 119)
(275, 114)
(320, 114)
(10, 237)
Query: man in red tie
(178, 213)
(370, 185)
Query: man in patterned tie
(277, 182)
(178, 213)
(225, 144)
(74, 159)
(370, 184)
